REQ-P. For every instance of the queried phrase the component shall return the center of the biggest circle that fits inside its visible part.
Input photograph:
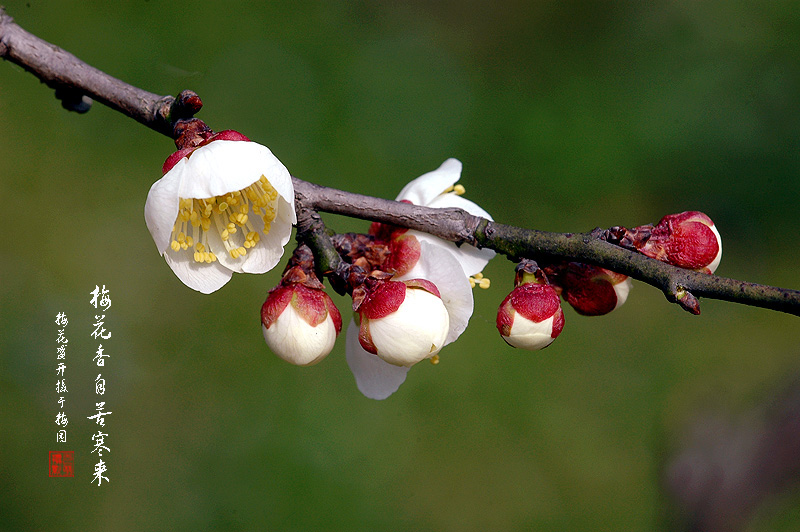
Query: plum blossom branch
(75, 82)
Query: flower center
(229, 217)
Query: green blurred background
(566, 115)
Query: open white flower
(228, 206)
(438, 189)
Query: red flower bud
(687, 240)
(594, 291)
(530, 317)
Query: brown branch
(73, 79)
(679, 285)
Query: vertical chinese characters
(101, 299)
(61, 386)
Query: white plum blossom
(438, 189)
(446, 265)
(226, 206)
(377, 378)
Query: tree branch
(73, 79)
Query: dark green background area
(566, 115)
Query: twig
(73, 79)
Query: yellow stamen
(229, 211)
(435, 359)
(479, 280)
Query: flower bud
(594, 291)
(530, 317)
(403, 322)
(300, 324)
(687, 240)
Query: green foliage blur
(567, 115)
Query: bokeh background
(567, 116)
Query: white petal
(375, 378)
(454, 200)
(472, 259)
(161, 208)
(715, 263)
(224, 166)
(622, 290)
(440, 267)
(200, 276)
(527, 334)
(425, 188)
(295, 341)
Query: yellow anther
(435, 359)
(485, 283)
(228, 211)
(459, 189)
(478, 276)
(472, 282)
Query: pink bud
(594, 291)
(687, 240)
(530, 317)
(300, 324)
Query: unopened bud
(594, 291)
(530, 317)
(300, 324)
(687, 240)
(403, 322)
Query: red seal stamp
(61, 464)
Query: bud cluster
(531, 317)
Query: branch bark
(74, 80)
